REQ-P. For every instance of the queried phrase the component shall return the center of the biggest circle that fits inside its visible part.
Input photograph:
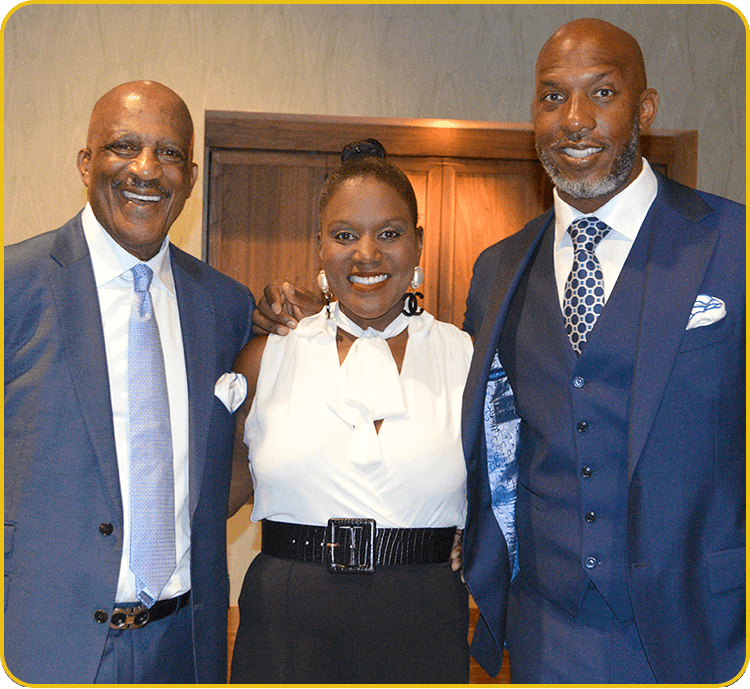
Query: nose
(577, 115)
(146, 164)
(367, 250)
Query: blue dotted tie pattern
(583, 299)
(152, 507)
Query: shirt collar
(110, 260)
(624, 213)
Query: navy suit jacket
(61, 476)
(686, 442)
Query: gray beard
(621, 168)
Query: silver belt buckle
(129, 618)
(350, 546)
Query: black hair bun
(362, 149)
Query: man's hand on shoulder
(282, 306)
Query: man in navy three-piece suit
(622, 340)
(75, 612)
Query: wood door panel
(483, 202)
(264, 209)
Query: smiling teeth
(139, 197)
(361, 280)
(580, 152)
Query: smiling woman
(138, 164)
(369, 242)
(353, 427)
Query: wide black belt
(137, 615)
(356, 545)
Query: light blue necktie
(583, 299)
(152, 509)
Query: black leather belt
(138, 615)
(356, 545)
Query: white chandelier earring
(418, 279)
(325, 288)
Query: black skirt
(301, 624)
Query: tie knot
(587, 232)
(142, 275)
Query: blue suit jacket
(686, 462)
(61, 476)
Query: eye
(344, 236)
(122, 148)
(553, 97)
(390, 233)
(604, 92)
(171, 154)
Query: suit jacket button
(591, 562)
(582, 426)
(105, 528)
(586, 472)
(578, 382)
(590, 517)
(101, 616)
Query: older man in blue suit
(617, 320)
(115, 573)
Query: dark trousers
(301, 624)
(159, 653)
(548, 646)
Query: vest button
(106, 529)
(101, 616)
(586, 472)
(590, 517)
(591, 562)
(578, 382)
(582, 426)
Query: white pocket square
(706, 310)
(231, 389)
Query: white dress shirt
(624, 213)
(114, 284)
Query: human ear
(649, 105)
(83, 161)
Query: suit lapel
(77, 304)
(198, 325)
(679, 253)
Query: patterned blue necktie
(152, 508)
(583, 300)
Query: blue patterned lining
(501, 429)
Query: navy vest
(572, 493)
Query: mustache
(577, 137)
(139, 185)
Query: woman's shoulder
(454, 342)
(451, 333)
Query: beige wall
(471, 62)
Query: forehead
(575, 57)
(142, 117)
(370, 192)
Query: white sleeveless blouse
(314, 452)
